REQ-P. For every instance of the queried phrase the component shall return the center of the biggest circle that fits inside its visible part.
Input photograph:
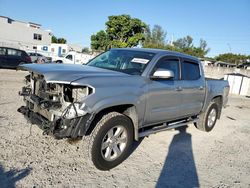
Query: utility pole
(172, 40)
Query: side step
(167, 126)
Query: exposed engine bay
(58, 107)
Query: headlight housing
(78, 94)
(74, 110)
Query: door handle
(178, 89)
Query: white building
(31, 37)
(22, 35)
(57, 50)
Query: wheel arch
(218, 100)
(59, 61)
(128, 110)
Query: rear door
(3, 53)
(193, 87)
(14, 57)
(164, 97)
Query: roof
(4, 17)
(20, 21)
(237, 74)
(224, 63)
(34, 23)
(157, 51)
(11, 48)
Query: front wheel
(110, 141)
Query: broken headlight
(76, 94)
(79, 93)
(75, 110)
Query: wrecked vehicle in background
(120, 96)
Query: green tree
(85, 50)
(155, 38)
(58, 40)
(100, 41)
(121, 31)
(184, 43)
(53, 39)
(61, 41)
(232, 58)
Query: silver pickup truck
(120, 96)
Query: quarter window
(190, 70)
(170, 64)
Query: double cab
(119, 96)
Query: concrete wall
(219, 72)
(21, 34)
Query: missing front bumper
(59, 128)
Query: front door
(13, 57)
(164, 95)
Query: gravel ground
(187, 158)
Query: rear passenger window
(190, 70)
(170, 64)
(14, 52)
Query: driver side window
(170, 64)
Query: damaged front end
(58, 109)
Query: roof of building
(21, 21)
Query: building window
(9, 21)
(34, 48)
(64, 51)
(37, 36)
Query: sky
(224, 24)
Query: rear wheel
(59, 61)
(207, 119)
(110, 141)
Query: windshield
(126, 61)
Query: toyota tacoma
(119, 97)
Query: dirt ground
(187, 158)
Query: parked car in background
(11, 57)
(36, 56)
(74, 58)
(244, 65)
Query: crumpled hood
(66, 73)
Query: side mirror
(162, 74)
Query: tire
(110, 142)
(207, 119)
(59, 62)
(42, 61)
